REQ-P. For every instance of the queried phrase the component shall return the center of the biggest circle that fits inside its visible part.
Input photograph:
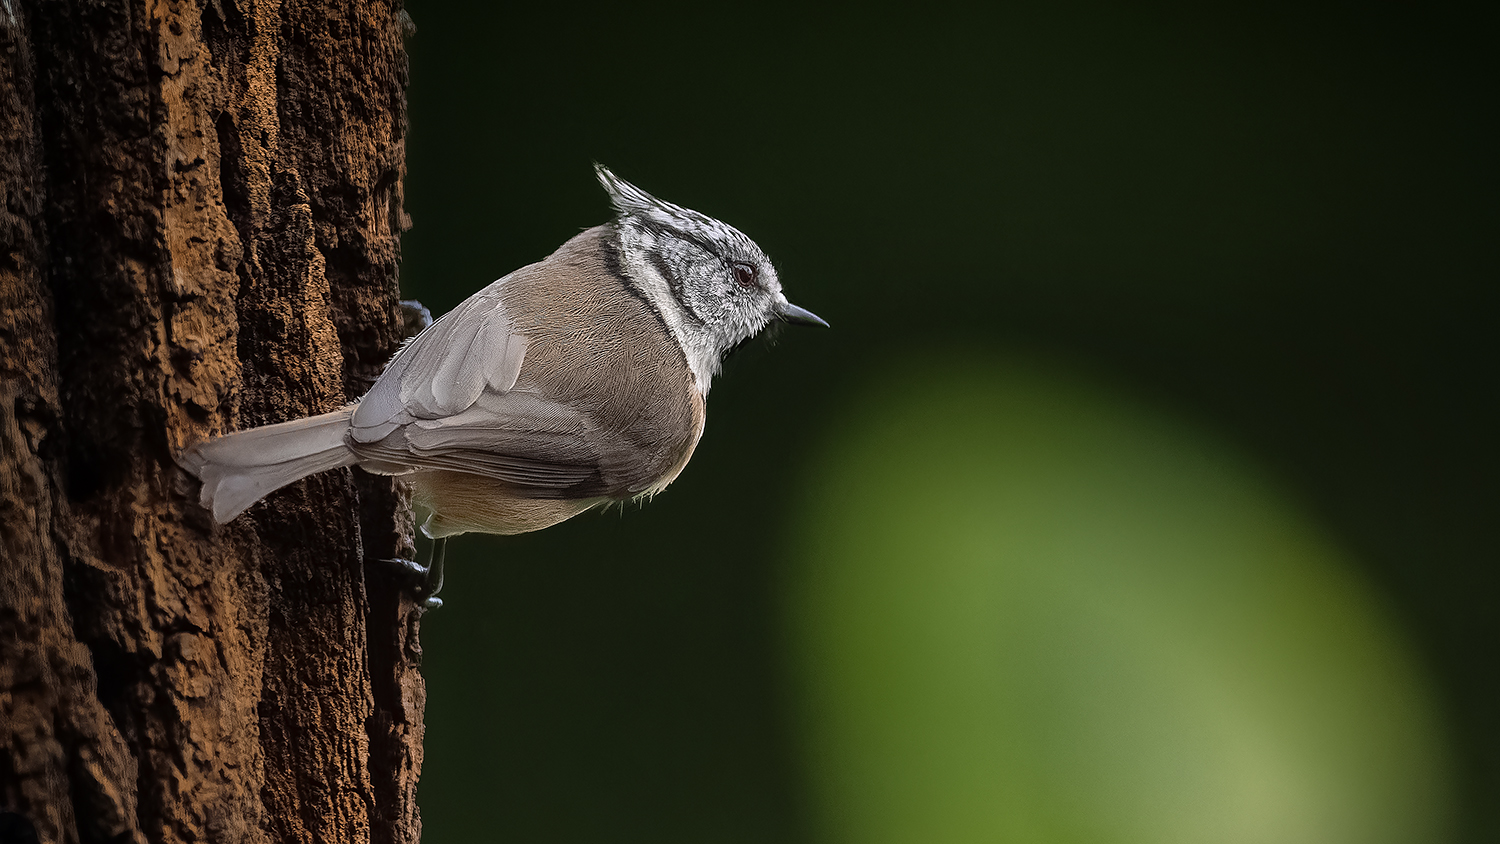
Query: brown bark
(202, 205)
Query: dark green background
(1280, 221)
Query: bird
(571, 383)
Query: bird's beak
(798, 316)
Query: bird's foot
(428, 579)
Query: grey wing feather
(481, 350)
(442, 371)
(534, 445)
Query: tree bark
(202, 206)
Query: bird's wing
(535, 446)
(448, 400)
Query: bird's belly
(462, 503)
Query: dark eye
(744, 276)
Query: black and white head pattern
(713, 286)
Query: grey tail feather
(240, 469)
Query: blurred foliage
(1274, 220)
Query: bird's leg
(434, 582)
(429, 577)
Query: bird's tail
(240, 469)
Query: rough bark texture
(202, 204)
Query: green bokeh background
(1259, 239)
(1082, 621)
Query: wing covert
(443, 370)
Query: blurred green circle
(1024, 607)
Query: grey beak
(798, 316)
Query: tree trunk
(202, 205)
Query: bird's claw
(428, 579)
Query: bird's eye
(744, 276)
